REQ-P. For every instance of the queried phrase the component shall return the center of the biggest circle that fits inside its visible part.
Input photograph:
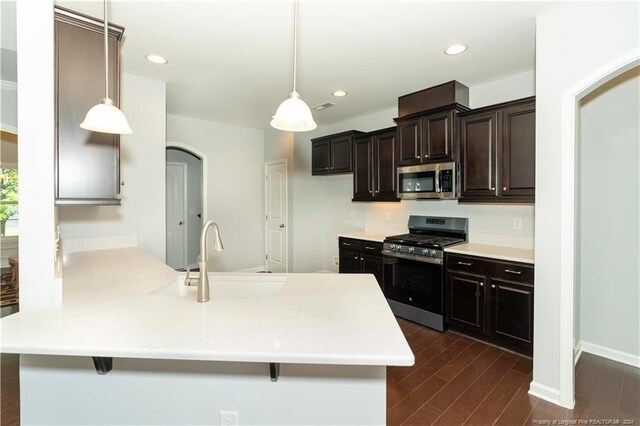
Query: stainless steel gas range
(414, 271)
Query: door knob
(282, 225)
(180, 223)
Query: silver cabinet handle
(370, 192)
(513, 272)
(369, 248)
(493, 286)
(180, 223)
(282, 225)
(504, 188)
(356, 258)
(464, 263)
(361, 258)
(481, 284)
(493, 188)
(346, 244)
(426, 156)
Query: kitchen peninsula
(272, 348)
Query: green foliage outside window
(8, 196)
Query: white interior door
(276, 216)
(176, 215)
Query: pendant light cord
(295, 40)
(106, 52)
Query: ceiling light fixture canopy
(293, 115)
(105, 117)
(339, 93)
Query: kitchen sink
(225, 287)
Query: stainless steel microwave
(428, 181)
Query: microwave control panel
(446, 180)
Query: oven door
(414, 283)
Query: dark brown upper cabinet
(87, 165)
(429, 137)
(497, 153)
(333, 154)
(374, 172)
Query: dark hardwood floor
(459, 381)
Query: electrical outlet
(353, 214)
(517, 224)
(228, 418)
(336, 261)
(387, 217)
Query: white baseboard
(73, 245)
(545, 392)
(612, 354)
(577, 351)
(254, 269)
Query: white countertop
(494, 252)
(108, 311)
(367, 235)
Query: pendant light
(105, 117)
(293, 115)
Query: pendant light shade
(293, 115)
(105, 117)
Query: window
(8, 202)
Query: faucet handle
(188, 281)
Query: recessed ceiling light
(456, 49)
(156, 59)
(339, 93)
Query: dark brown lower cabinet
(491, 300)
(361, 257)
(466, 304)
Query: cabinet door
(384, 168)
(479, 155)
(320, 157)
(466, 300)
(437, 137)
(519, 151)
(341, 154)
(350, 262)
(372, 264)
(87, 163)
(409, 141)
(511, 312)
(363, 169)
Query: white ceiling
(230, 61)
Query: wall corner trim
(612, 354)
(547, 393)
(577, 351)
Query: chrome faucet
(203, 279)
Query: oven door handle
(433, 260)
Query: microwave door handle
(436, 177)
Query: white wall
(194, 200)
(142, 168)
(38, 284)
(8, 105)
(235, 189)
(572, 41)
(323, 206)
(609, 227)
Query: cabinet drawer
(513, 271)
(349, 244)
(467, 264)
(366, 247)
(494, 268)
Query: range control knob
(425, 252)
(392, 247)
(431, 253)
(398, 247)
(410, 249)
